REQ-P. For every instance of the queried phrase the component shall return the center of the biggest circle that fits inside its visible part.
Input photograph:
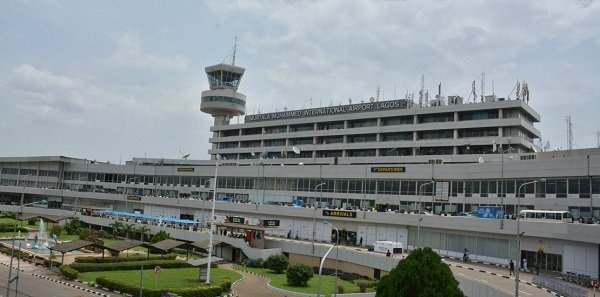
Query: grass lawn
(168, 278)
(280, 281)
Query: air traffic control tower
(223, 101)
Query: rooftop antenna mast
(482, 86)
(422, 91)
(569, 133)
(234, 51)
(378, 90)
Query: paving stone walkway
(251, 285)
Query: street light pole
(12, 251)
(212, 220)
(419, 219)
(321, 269)
(519, 234)
(337, 249)
(315, 217)
(502, 207)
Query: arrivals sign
(185, 169)
(270, 223)
(330, 110)
(134, 197)
(388, 169)
(339, 213)
(236, 220)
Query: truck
(383, 246)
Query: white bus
(383, 246)
(547, 215)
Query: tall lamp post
(315, 216)
(502, 208)
(321, 269)
(519, 233)
(419, 219)
(12, 253)
(337, 249)
(212, 220)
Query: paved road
(31, 285)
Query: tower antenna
(234, 51)
(422, 91)
(569, 133)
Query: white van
(383, 246)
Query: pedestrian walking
(511, 267)
(525, 265)
(388, 254)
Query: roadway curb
(500, 275)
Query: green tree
(128, 228)
(160, 236)
(421, 274)
(299, 274)
(116, 227)
(278, 263)
(73, 226)
(142, 231)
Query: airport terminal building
(367, 168)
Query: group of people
(511, 266)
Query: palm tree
(117, 227)
(128, 228)
(142, 230)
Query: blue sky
(112, 80)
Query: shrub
(31, 222)
(87, 267)
(364, 284)
(299, 274)
(278, 263)
(255, 263)
(124, 259)
(340, 289)
(10, 228)
(115, 285)
(56, 229)
(69, 272)
(85, 233)
(160, 236)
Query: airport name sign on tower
(330, 110)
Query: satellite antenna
(184, 156)
(481, 160)
(253, 154)
(296, 150)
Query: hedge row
(25, 256)
(87, 267)
(204, 291)
(69, 272)
(11, 228)
(124, 259)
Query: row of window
(390, 121)
(392, 136)
(30, 172)
(560, 187)
(224, 99)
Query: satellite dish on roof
(184, 156)
(481, 160)
(253, 154)
(296, 150)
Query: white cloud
(130, 53)
(41, 93)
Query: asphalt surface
(37, 281)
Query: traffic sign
(595, 282)
(157, 269)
